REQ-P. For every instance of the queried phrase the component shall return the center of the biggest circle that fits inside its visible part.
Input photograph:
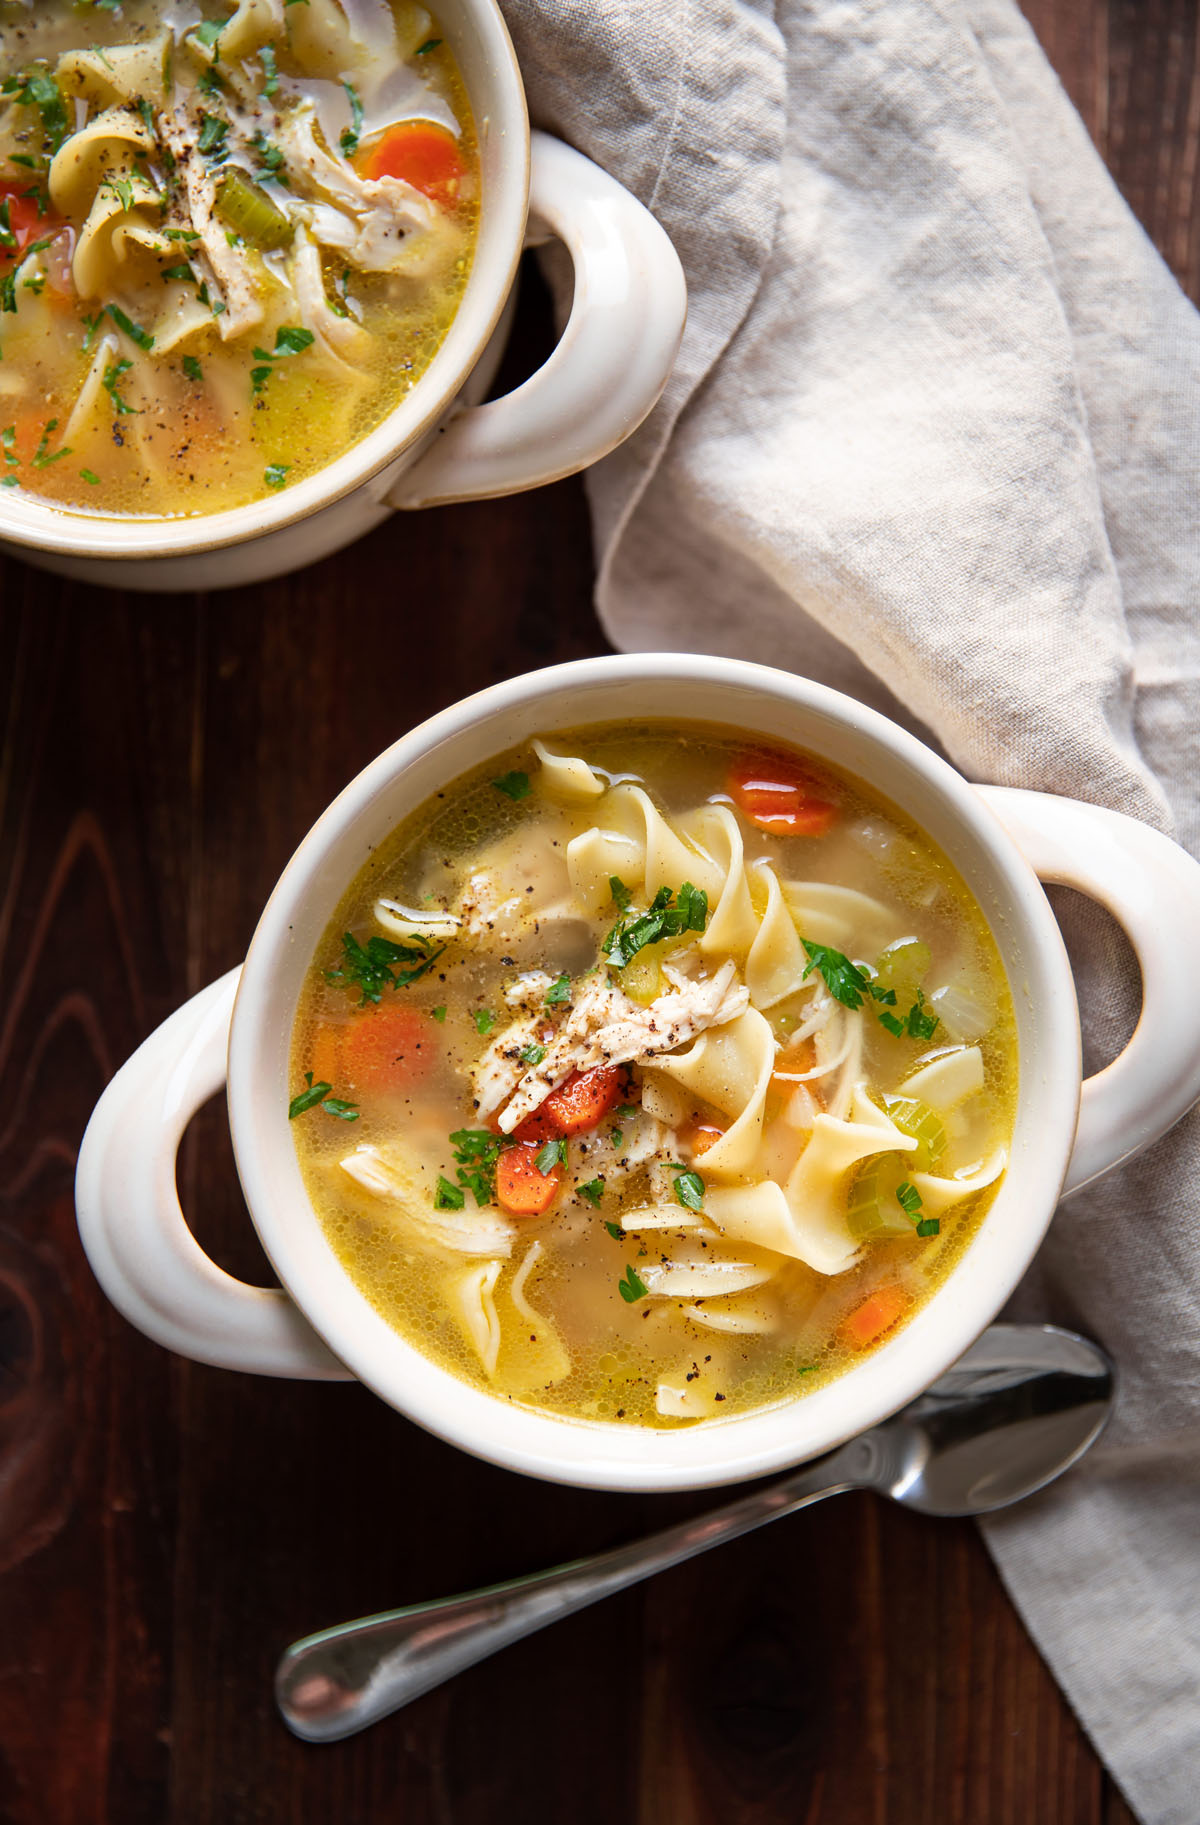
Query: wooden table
(165, 1529)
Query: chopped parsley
(380, 963)
(43, 457)
(614, 1230)
(513, 785)
(133, 330)
(8, 292)
(632, 1287)
(319, 1095)
(113, 375)
(622, 898)
(266, 57)
(559, 993)
(438, 1013)
(553, 1154)
(689, 1188)
(275, 474)
(916, 1024)
(844, 980)
(209, 32)
(532, 1055)
(448, 1196)
(39, 90)
(353, 133)
(88, 476)
(668, 916)
(593, 1191)
(7, 237)
(192, 368)
(476, 1151)
(484, 1020)
(430, 44)
(212, 137)
(910, 1202)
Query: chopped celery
(873, 1211)
(642, 978)
(902, 967)
(246, 208)
(918, 1121)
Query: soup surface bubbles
(231, 239)
(649, 1077)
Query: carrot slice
(24, 222)
(422, 154)
(521, 1189)
(383, 1048)
(586, 1098)
(873, 1317)
(538, 1127)
(779, 795)
(700, 1136)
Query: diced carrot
(586, 1098)
(521, 1189)
(25, 224)
(779, 795)
(700, 1136)
(381, 1048)
(873, 1317)
(422, 154)
(798, 1056)
(538, 1127)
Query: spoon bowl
(1020, 1407)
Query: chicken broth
(231, 239)
(646, 1077)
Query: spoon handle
(332, 1684)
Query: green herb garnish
(622, 898)
(593, 1191)
(532, 1055)
(133, 330)
(212, 137)
(911, 1203)
(270, 69)
(430, 44)
(689, 1189)
(666, 917)
(448, 1196)
(319, 1094)
(275, 474)
(513, 785)
(632, 1286)
(438, 1013)
(113, 374)
(476, 1151)
(380, 963)
(192, 368)
(559, 992)
(614, 1230)
(353, 133)
(484, 1020)
(553, 1154)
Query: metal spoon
(1018, 1409)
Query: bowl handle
(610, 365)
(1152, 888)
(133, 1229)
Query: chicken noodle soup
(643, 1076)
(231, 238)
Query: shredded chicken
(230, 268)
(605, 1027)
(380, 214)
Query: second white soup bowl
(321, 1325)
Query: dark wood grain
(165, 1529)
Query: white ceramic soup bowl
(321, 1326)
(440, 444)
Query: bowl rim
(596, 1454)
(487, 61)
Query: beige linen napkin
(933, 438)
